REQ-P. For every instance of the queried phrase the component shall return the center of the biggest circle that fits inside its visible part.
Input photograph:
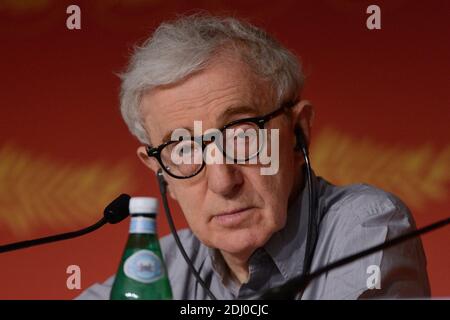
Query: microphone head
(118, 209)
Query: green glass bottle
(142, 274)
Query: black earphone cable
(311, 239)
(313, 228)
(163, 189)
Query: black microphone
(291, 288)
(115, 212)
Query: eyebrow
(226, 116)
(168, 135)
(223, 118)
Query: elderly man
(248, 230)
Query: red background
(382, 116)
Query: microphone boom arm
(58, 237)
(115, 212)
(292, 287)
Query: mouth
(232, 218)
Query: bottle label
(144, 266)
(142, 225)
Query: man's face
(230, 207)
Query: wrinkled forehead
(222, 92)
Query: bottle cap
(144, 205)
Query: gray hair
(184, 46)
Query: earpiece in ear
(160, 177)
(300, 143)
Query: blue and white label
(143, 225)
(144, 266)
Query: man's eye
(240, 135)
(184, 149)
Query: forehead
(218, 94)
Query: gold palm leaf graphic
(37, 192)
(417, 175)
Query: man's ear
(303, 116)
(146, 160)
(153, 165)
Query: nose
(224, 179)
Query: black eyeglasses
(242, 140)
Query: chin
(240, 241)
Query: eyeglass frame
(260, 121)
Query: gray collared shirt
(355, 217)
